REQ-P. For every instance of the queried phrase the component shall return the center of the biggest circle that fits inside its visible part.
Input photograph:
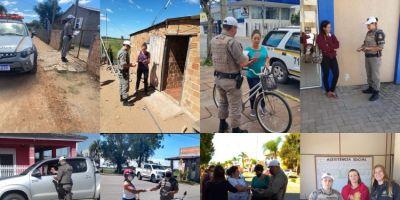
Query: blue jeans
(253, 82)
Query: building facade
(189, 162)
(175, 62)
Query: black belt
(372, 55)
(222, 75)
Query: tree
(290, 151)
(206, 7)
(45, 10)
(95, 151)
(3, 9)
(206, 148)
(272, 146)
(243, 156)
(119, 148)
(295, 19)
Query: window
(294, 42)
(285, 13)
(257, 12)
(78, 23)
(78, 165)
(272, 13)
(274, 38)
(146, 167)
(46, 168)
(12, 28)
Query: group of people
(124, 64)
(372, 47)
(168, 186)
(383, 188)
(218, 185)
(228, 59)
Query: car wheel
(153, 178)
(139, 176)
(14, 196)
(34, 70)
(280, 72)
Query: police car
(283, 46)
(17, 51)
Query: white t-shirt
(127, 194)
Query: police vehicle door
(41, 180)
(290, 50)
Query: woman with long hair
(355, 188)
(328, 43)
(382, 186)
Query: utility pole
(76, 10)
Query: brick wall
(93, 62)
(176, 62)
(190, 100)
(55, 40)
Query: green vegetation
(114, 43)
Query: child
(129, 192)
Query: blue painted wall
(397, 67)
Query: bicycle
(268, 116)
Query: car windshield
(158, 167)
(13, 28)
(29, 169)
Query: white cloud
(138, 7)
(84, 1)
(192, 1)
(8, 3)
(15, 11)
(104, 18)
(131, 2)
(109, 10)
(64, 1)
(149, 10)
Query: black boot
(238, 130)
(127, 103)
(223, 126)
(120, 98)
(64, 59)
(370, 90)
(374, 96)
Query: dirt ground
(53, 100)
(156, 113)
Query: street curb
(288, 96)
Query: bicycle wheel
(275, 116)
(215, 96)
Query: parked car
(283, 46)
(154, 172)
(36, 182)
(17, 51)
(290, 173)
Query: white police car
(283, 46)
(17, 51)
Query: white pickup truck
(154, 172)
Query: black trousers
(329, 64)
(145, 72)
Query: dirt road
(50, 101)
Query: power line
(169, 2)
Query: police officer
(67, 37)
(228, 59)
(276, 189)
(168, 186)
(123, 74)
(372, 47)
(64, 179)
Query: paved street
(111, 189)
(209, 112)
(351, 112)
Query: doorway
(175, 65)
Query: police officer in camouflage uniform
(68, 32)
(168, 186)
(326, 192)
(228, 59)
(123, 74)
(64, 179)
(372, 47)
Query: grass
(115, 43)
(292, 187)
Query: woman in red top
(328, 44)
(355, 189)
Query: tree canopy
(206, 148)
(290, 151)
(45, 10)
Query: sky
(25, 7)
(124, 17)
(229, 145)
